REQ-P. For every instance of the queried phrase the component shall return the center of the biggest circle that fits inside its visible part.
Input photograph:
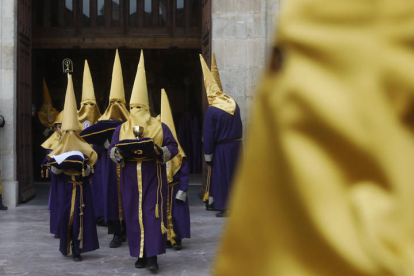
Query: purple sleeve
(209, 128)
(2, 121)
(184, 176)
(169, 141)
(115, 138)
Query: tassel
(206, 196)
(80, 236)
(47, 172)
(157, 213)
(81, 244)
(83, 171)
(93, 170)
(42, 174)
(163, 229)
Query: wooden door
(24, 100)
(207, 55)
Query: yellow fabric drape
(47, 112)
(215, 95)
(88, 113)
(71, 141)
(326, 186)
(139, 110)
(174, 165)
(117, 105)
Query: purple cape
(222, 133)
(154, 240)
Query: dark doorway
(176, 70)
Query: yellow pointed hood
(53, 140)
(47, 113)
(71, 141)
(117, 105)
(88, 113)
(174, 165)
(215, 95)
(139, 108)
(215, 72)
(326, 182)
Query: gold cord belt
(72, 210)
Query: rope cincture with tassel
(42, 174)
(157, 212)
(207, 193)
(81, 207)
(170, 227)
(159, 175)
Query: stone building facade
(8, 73)
(242, 32)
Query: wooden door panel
(24, 101)
(206, 52)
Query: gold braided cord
(207, 193)
(118, 179)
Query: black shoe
(210, 207)
(100, 221)
(57, 236)
(168, 244)
(177, 245)
(152, 264)
(124, 233)
(222, 214)
(2, 207)
(141, 263)
(76, 257)
(116, 241)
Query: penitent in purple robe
(96, 184)
(154, 240)
(222, 133)
(181, 209)
(65, 194)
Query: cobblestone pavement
(27, 247)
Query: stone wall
(242, 33)
(8, 66)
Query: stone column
(8, 67)
(242, 33)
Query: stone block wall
(242, 35)
(8, 67)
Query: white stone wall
(8, 66)
(242, 33)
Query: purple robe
(154, 240)
(66, 234)
(190, 140)
(110, 188)
(53, 204)
(222, 133)
(97, 186)
(180, 209)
